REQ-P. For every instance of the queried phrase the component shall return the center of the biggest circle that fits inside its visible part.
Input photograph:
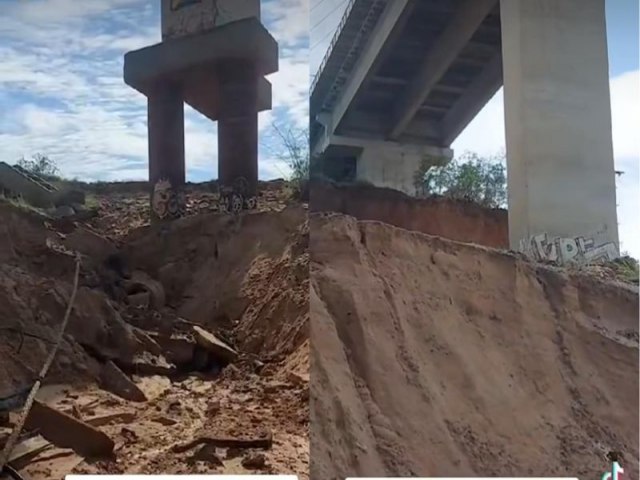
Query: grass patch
(626, 269)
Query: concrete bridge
(403, 78)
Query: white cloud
(485, 134)
(63, 95)
(625, 111)
(291, 89)
(288, 20)
(46, 11)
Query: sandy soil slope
(436, 358)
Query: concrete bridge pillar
(166, 149)
(238, 124)
(213, 56)
(558, 124)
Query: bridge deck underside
(472, 75)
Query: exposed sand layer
(436, 358)
(454, 219)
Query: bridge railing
(332, 44)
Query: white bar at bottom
(462, 478)
(180, 477)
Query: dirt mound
(434, 358)
(457, 220)
(249, 275)
(142, 292)
(35, 286)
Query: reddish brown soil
(437, 358)
(457, 220)
(244, 278)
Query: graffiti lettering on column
(565, 250)
(167, 202)
(187, 17)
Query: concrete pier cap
(213, 56)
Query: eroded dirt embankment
(457, 220)
(436, 358)
(244, 279)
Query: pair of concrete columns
(219, 71)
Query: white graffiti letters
(564, 250)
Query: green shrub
(469, 177)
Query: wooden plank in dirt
(66, 431)
(121, 417)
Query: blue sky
(485, 135)
(62, 93)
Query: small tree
(470, 177)
(40, 165)
(293, 149)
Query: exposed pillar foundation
(238, 125)
(215, 60)
(166, 151)
(562, 194)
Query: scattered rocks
(216, 346)
(63, 211)
(108, 327)
(116, 382)
(213, 408)
(275, 387)
(4, 419)
(139, 300)
(146, 342)
(162, 420)
(178, 349)
(147, 365)
(141, 282)
(129, 435)
(254, 461)
(70, 197)
(297, 378)
(233, 453)
(207, 453)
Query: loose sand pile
(436, 358)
